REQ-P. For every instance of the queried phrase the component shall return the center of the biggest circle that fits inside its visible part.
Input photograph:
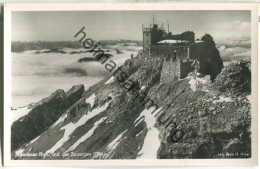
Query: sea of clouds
(233, 50)
(35, 76)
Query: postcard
(130, 84)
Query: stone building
(176, 63)
(175, 52)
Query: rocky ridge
(110, 121)
(42, 115)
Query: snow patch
(199, 83)
(138, 120)
(34, 140)
(139, 133)
(29, 150)
(18, 152)
(223, 99)
(61, 119)
(90, 100)
(71, 127)
(110, 80)
(150, 148)
(87, 135)
(112, 146)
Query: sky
(112, 25)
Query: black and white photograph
(94, 85)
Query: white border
(8, 8)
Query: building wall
(175, 70)
(163, 50)
(170, 70)
(156, 35)
(146, 39)
(176, 61)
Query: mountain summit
(142, 117)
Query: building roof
(199, 41)
(170, 41)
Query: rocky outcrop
(43, 114)
(76, 52)
(113, 120)
(94, 58)
(87, 59)
(51, 51)
(208, 57)
(210, 122)
(236, 78)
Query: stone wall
(146, 40)
(170, 70)
(181, 52)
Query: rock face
(208, 57)
(43, 114)
(235, 78)
(118, 119)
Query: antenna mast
(168, 25)
(153, 19)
